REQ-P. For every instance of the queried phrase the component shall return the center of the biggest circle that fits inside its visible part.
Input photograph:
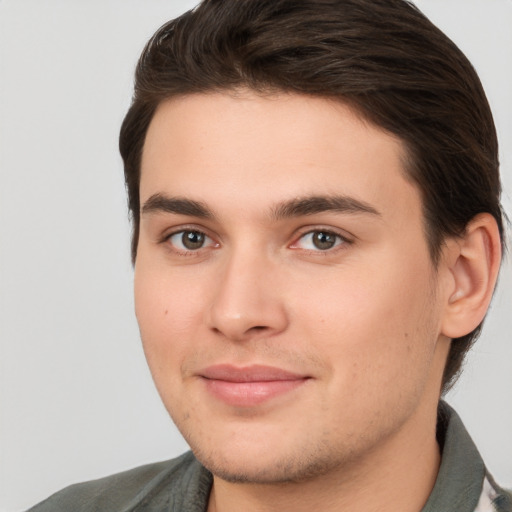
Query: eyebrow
(298, 207)
(312, 205)
(180, 206)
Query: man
(317, 235)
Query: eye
(190, 240)
(319, 240)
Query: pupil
(192, 239)
(323, 240)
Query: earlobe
(473, 260)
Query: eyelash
(339, 240)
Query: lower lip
(248, 394)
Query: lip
(249, 386)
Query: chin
(265, 467)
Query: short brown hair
(382, 57)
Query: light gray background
(77, 401)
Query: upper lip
(253, 373)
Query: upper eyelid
(335, 231)
(311, 233)
(167, 233)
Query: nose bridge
(246, 300)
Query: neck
(397, 475)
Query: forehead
(245, 149)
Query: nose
(248, 301)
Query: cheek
(377, 345)
(168, 311)
(168, 315)
(372, 326)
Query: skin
(364, 322)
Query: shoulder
(177, 484)
(494, 497)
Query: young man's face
(289, 310)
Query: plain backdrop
(77, 401)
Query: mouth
(251, 385)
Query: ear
(473, 261)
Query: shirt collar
(459, 481)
